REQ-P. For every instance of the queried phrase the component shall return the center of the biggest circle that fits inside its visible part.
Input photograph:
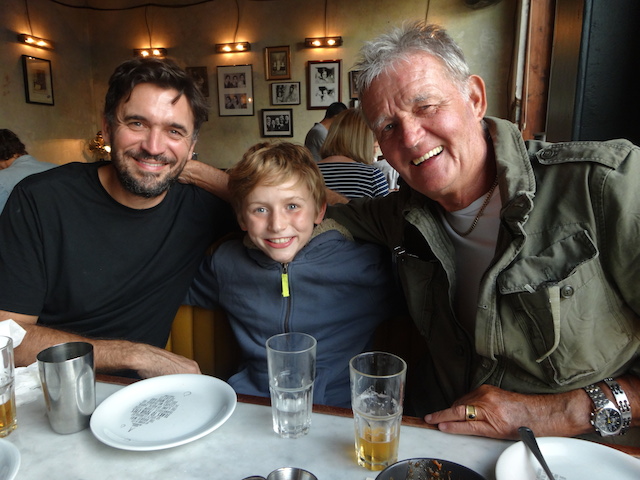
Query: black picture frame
(38, 80)
(285, 93)
(323, 83)
(277, 122)
(235, 90)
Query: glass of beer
(8, 421)
(377, 394)
(291, 360)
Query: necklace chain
(480, 212)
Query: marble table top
(245, 445)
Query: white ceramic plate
(568, 459)
(9, 460)
(163, 412)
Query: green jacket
(558, 306)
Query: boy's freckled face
(279, 219)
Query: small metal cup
(291, 473)
(286, 473)
(69, 385)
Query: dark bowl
(427, 469)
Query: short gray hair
(382, 53)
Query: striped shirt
(354, 179)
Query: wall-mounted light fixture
(30, 39)
(157, 52)
(35, 41)
(323, 42)
(234, 47)
(150, 52)
(326, 41)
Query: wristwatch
(606, 417)
(623, 403)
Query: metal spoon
(529, 439)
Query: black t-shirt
(84, 263)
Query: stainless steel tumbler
(68, 381)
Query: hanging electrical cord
(146, 21)
(235, 34)
(26, 7)
(325, 17)
(132, 7)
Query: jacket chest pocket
(560, 318)
(425, 289)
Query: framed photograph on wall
(277, 63)
(287, 93)
(323, 83)
(277, 122)
(38, 82)
(235, 90)
(199, 74)
(353, 83)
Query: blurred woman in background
(347, 157)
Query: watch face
(608, 420)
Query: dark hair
(164, 73)
(334, 109)
(10, 144)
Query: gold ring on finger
(470, 412)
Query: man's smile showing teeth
(149, 164)
(428, 155)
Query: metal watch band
(597, 395)
(602, 404)
(622, 401)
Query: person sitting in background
(381, 163)
(316, 136)
(15, 164)
(347, 157)
(389, 172)
(293, 272)
(105, 252)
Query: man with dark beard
(104, 252)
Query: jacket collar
(516, 179)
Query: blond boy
(293, 272)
